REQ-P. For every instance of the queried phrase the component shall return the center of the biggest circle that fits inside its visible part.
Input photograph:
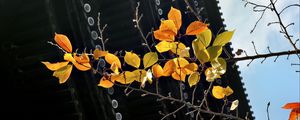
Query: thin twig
(171, 113)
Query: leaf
(195, 28)
(149, 59)
(83, 58)
(63, 73)
(211, 74)
(200, 51)
(157, 71)
(180, 62)
(79, 66)
(139, 74)
(223, 38)
(179, 76)
(218, 92)
(219, 64)
(205, 37)
(111, 58)
(228, 91)
(163, 46)
(175, 15)
(99, 53)
(194, 78)
(234, 105)
(190, 68)
(295, 114)
(148, 78)
(180, 49)
(63, 41)
(114, 68)
(291, 105)
(214, 52)
(132, 59)
(168, 26)
(126, 77)
(169, 68)
(106, 82)
(163, 36)
(55, 66)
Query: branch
(188, 5)
(101, 30)
(263, 56)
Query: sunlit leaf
(148, 78)
(223, 38)
(194, 78)
(157, 71)
(234, 105)
(106, 82)
(114, 68)
(291, 105)
(132, 59)
(63, 41)
(218, 92)
(179, 76)
(228, 91)
(214, 52)
(205, 37)
(55, 66)
(83, 58)
(180, 49)
(126, 77)
(190, 68)
(149, 59)
(111, 58)
(168, 26)
(163, 46)
(200, 51)
(211, 74)
(220, 65)
(99, 53)
(195, 28)
(79, 66)
(180, 62)
(164, 36)
(295, 113)
(139, 74)
(63, 73)
(169, 68)
(175, 15)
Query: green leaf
(214, 52)
(200, 52)
(205, 37)
(223, 38)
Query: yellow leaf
(190, 68)
(200, 51)
(164, 36)
(99, 53)
(79, 66)
(157, 71)
(149, 59)
(55, 66)
(169, 68)
(218, 92)
(175, 15)
(205, 37)
(180, 49)
(106, 82)
(228, 91)
(214, 52)
(180, 62)
(211, 74)
(179, 76)
(111, 58)
(168, 26)
(194, 78)
(139, 74)
(234, 105)
(148, 78)
(223, 38)
(63, 73)
(69, 57)
(114, 68)
(63, 41)
(126, 77)
(132, 59)
(219, 64)
(195, 28)
(163, 46)
(83, 58)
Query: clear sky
(276, 82)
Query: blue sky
(275, 82)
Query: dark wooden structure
(30, 91)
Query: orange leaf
(168, 26)
(63, 73)
(295, 113)
(106, 82)
(99, 53)
(195, 28)
(83, 58)
(169, 68)
(79, 66)
(175, 15)
(179, 76)
(114, 68)
(111, 58)
(291, 105)
(55, 66)
(157, 71)
(190, 68)
(63, 41)
(158, 34)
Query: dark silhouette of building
(31, 92)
